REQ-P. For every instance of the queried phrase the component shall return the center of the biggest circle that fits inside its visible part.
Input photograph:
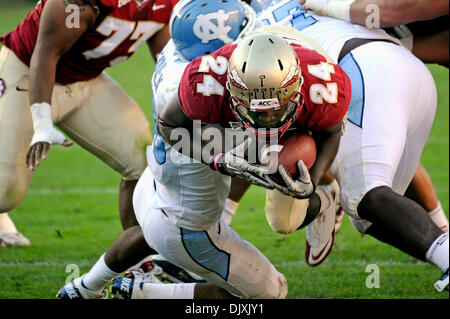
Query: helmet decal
(236, 80)
(291, 77)
(206, 30)
(264, 104)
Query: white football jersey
(329, 33)
(190, 192)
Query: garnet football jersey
(326, 89)
(119, 30)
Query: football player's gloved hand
(333, 8)
(300, 188)
(44, 135)
(233, 163)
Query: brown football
(296, 146)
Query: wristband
(42, 116)
(218, 164)
(339, 9)
(216, 160)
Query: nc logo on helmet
(206, 30)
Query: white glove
(302, 187)
(233, 163)
(44, 131)
(339, 9)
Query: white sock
(437, 254)
(168, 291)
(325, 197)
(6, 224)
(438, 217)
(229, 210)
(99, 276)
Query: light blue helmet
(200, 27)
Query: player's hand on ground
(40, 146)
(233, 163)
(301, 187)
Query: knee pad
(285, 214)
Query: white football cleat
(320, 232)
(77, 290)
(442, 283)
(13, 240)
(340, 214)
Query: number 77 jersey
(326, 89)
(121, 27)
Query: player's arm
(219, 153)
(392, 12)
(327, 142)
(439, 43)
(176, 128)
(55, 38)
(158, 41)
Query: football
(296, 146)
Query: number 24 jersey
(326, 89)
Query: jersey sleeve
(326, 91)
(166, 76)
(202, 92)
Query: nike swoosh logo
(316, 257)
(21, 90)
(157, 7)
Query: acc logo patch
(206, 30)
(2, 87)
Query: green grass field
(71, 217)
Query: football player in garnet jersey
(54, 61)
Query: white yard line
(74, 190)
(362, 263)
(295, 264)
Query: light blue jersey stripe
(356, 109)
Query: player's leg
(218, 255)
(127, 250)
(285, 215)
(126, 189)
(16, 131)
(421, 190)
(377, 159)
(111, 125)
(386, 210)
(237, 191)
